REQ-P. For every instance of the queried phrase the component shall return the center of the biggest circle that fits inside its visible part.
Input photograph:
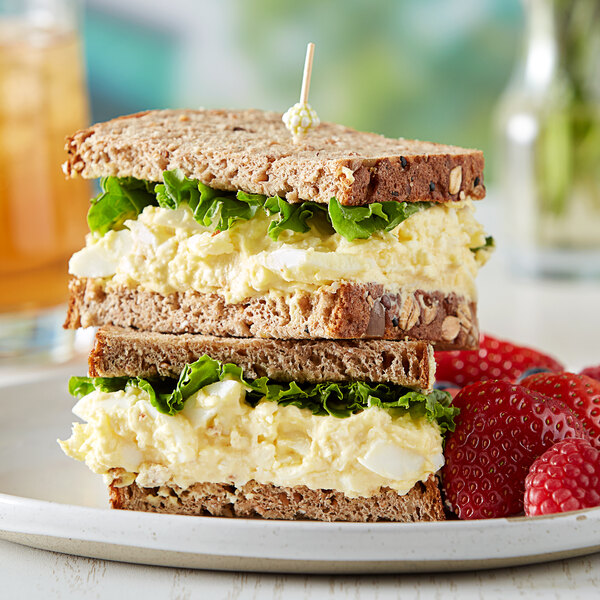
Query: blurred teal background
(427, 69)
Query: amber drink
(42, 216)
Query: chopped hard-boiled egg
(166, 251)
(220, 438)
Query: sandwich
(292, 429)
(215, 222)
(268, 312)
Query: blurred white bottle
(549, 132)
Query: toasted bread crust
(251, 150)
(343, 311)
(254, 500)
(118, 351)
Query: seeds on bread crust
(455, 180)
(341, 311)
(409, 315)
(450, 328)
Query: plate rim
(27, 516)
(74, 525)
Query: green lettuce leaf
(175, 189)
(82, 386)
(291, 216)
(195, 376)
(363, 221)
(335, 399)
(125, 198)
(120, 199)
(220, 210)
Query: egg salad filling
(212, 425)
(165, 250)
(220, 438)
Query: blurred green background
(427, 69)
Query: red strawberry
(502, 428)
(593, 372)
(580, 393)
(566, 477)
(495, 359)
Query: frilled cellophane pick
(299, 119)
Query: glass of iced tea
(43, 99)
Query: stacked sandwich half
(266, 314)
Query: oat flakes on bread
(346, 311)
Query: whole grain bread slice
(266, 501)
(251, 150)
(118, 351)
(339, 311)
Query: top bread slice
(121, 351)
(251, 150)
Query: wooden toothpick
(308, 61)
(301, 117)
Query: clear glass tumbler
(43, 99)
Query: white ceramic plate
(52, 502)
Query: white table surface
(30, 573)
(562, 318)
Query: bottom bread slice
(255, 500)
